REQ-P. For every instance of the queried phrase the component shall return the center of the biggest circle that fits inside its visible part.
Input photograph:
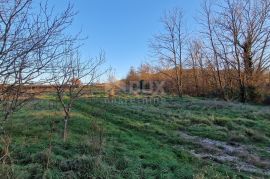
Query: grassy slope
(141, 141)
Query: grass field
(172, 138)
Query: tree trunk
(65, 127)
(178, 81)
(242, 93)
(179, 90)
(6, 115)
(248, 64)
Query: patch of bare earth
(238, 156)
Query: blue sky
(123, 28)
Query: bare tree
(197, 65)
(169, 47)
(209, 30)
(29, 41)
(111, 84)
(241, 34)
(71, 76)
(132, 80)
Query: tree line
(229, 58)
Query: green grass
(130, 140)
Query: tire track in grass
(137, 139)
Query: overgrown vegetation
(227, 57)
(116, 140)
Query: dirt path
(240, 157)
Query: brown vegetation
(230, 61)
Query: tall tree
(241, 36)
(169, 47)
(209, 30)
(197, 65)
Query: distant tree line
(229, 59)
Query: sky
(123, 28)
